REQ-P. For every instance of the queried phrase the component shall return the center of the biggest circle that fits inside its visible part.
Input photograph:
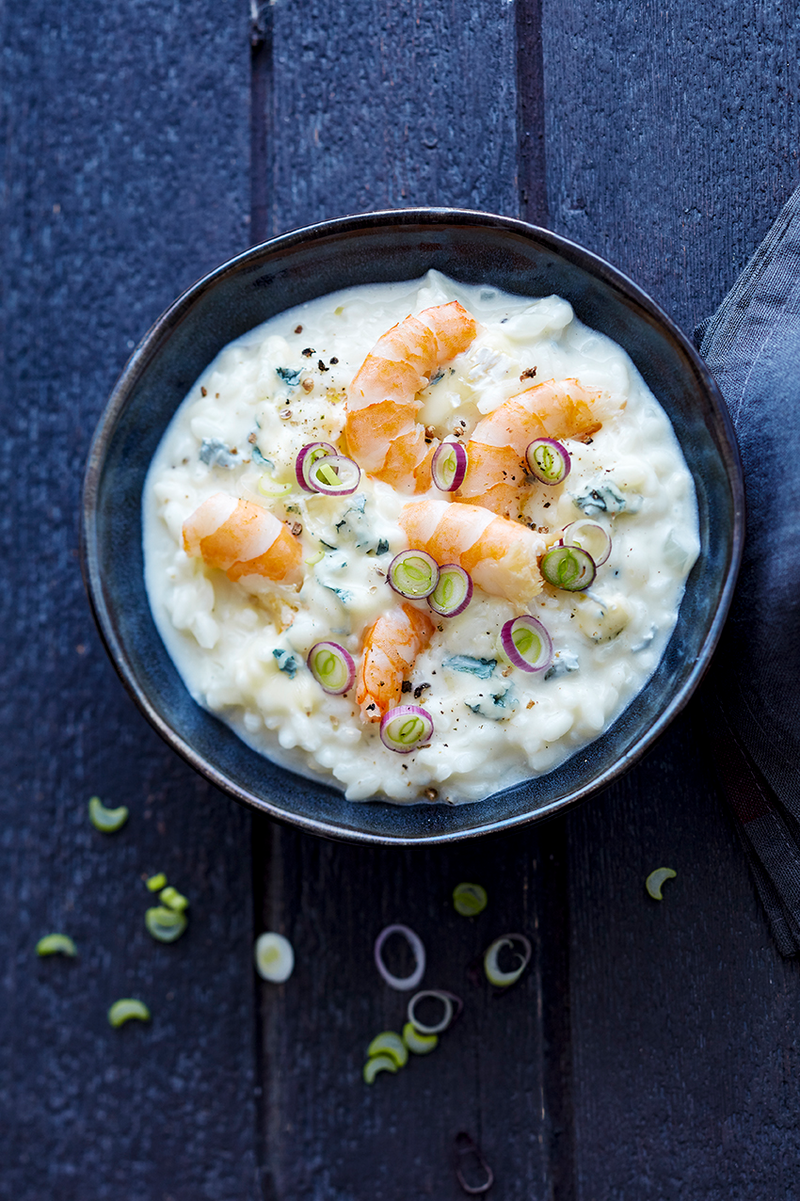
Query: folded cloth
(752, 346)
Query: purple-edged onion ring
(527, 643)
(589, 536)
(413, 573)
(453, 591)
(449, 466)
(406, 727)
(548, 460)
(447, 999)
(401, 983)
(333, 475)
(306, 458)
(332, 667)
(568, 567)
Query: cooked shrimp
(243, 539)
(497, 445)
(502, 556)
(391, 644)
(381, 424)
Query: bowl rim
(260, 254)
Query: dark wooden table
(651, 1050)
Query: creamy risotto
(482, 702)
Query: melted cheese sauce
(242, 656)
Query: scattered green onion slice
(449, 465)
(469, 899)
(378, 1063)
(401, 983)
(419, 1044)
(106, 820)
(527, 643)
(122, 1011)
(448, 1017)
(156, 883)
(589, 536)
(568, 567)
(332, 667)
(414, 574)
(656, 879)
(494, 975)
(56, 944)
(390, 1044)
(406, 727)
(548, 460)
(274, 957)
(453, 591)
(269, 486)
(164, 925)
(173, 899)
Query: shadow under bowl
(471, 247)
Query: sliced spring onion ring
(467, 1146)
(156, 883)
(453, 591)
(401, 983)
(494, 975)
(56, 944)
(448, 1017)
(527, 643)
(173, 899)
(656, 879)
(332, 667)
(419, 1044)
(568, 567)
(274, 957)
(378, 1063)
(469, 899)
(413, 573)
(335, 475)
(449, 465)
(106, 820)
(389, 1043)
(164, 925)
(406, 727)
(306, 459)
(122, 1011)
(589, 536)
(269, 486)
(548, 460)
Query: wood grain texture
(382, 105)
(673, 135)
(685, 1017)
(671, 144)
(125, 177)
(327, 1134)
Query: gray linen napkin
(752, 346)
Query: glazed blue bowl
(375, 248)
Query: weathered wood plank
(672, 137)
(389, 106)
(672, 142)
(125, 178)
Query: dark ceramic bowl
(382, 247)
